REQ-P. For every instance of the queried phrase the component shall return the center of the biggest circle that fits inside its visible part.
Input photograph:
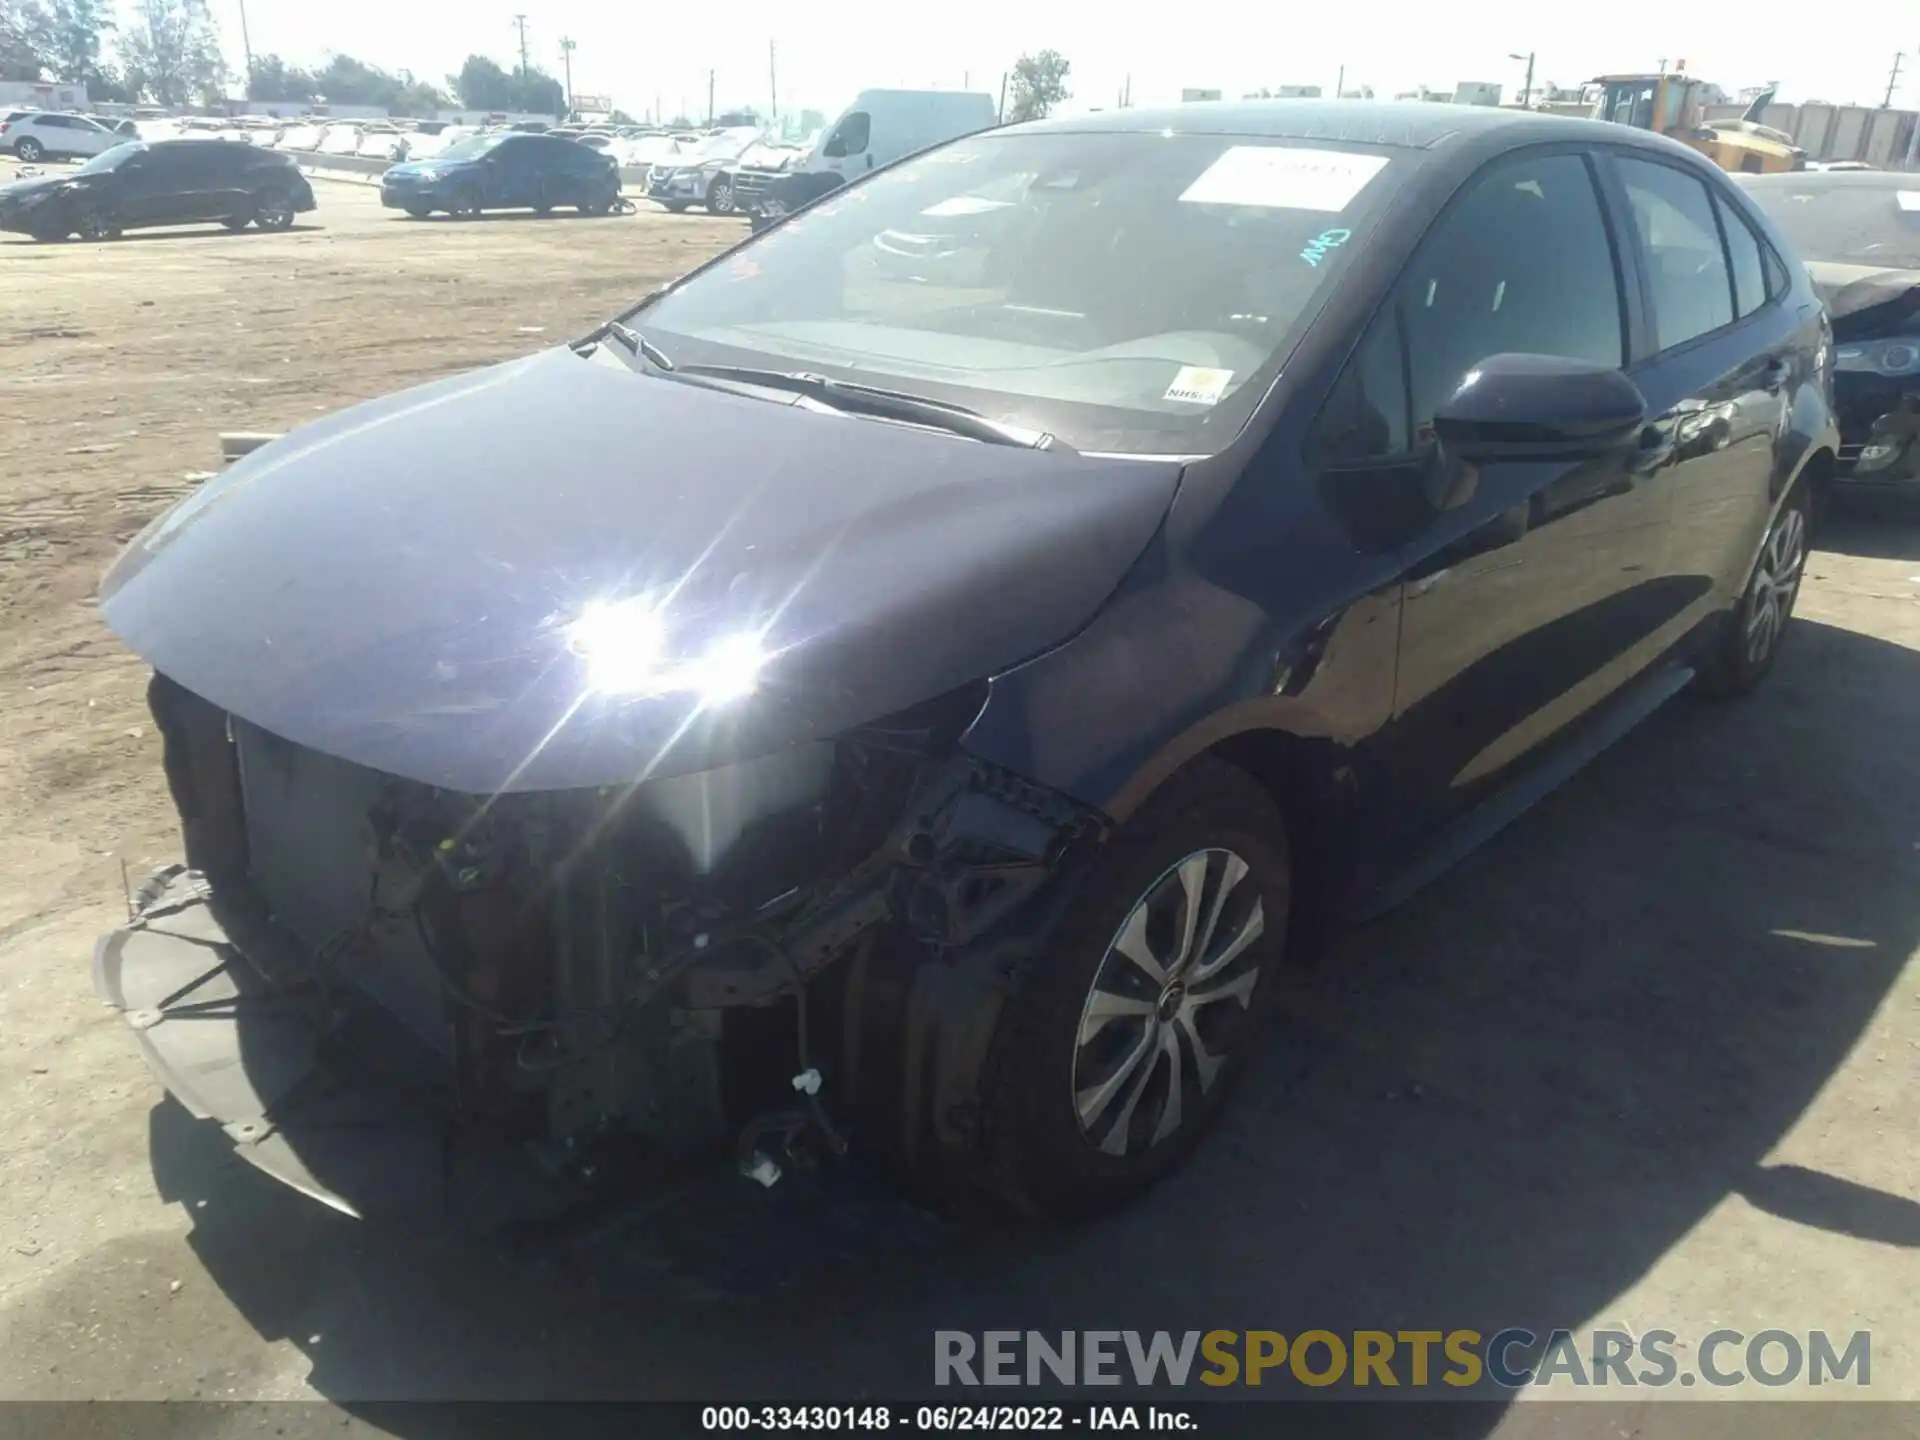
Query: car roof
(1411, 124)
(1835, 180)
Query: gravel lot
(1647, 1060)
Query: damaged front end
(396, 997)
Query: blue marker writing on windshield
(1327, 240)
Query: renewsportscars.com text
(1413, 1359)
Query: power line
(520, 23)
(567, 48)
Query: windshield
(1846, 224)
(724, 146)
(470, 148)
(1126, 292)
(111, 159)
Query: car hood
(1867, 302)
(26, 189)
(401, 584)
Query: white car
(38, 135)
(300, 137)
(339, 140)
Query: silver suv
(37, 135)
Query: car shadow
(1873, 527)
(494, 217)
(1499, 1105)
(144, 237)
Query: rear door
(1721, 359)
(1520, 607)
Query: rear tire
(1749, 641)
(1105, 1070)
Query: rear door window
(1745, 252)
(1685, 262)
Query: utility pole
(246, 47)
(1526, 90)
(1893, 80)
(773, 82)
(1340, 85)
(1003, 97)
(709, 99)
(566, 58)
(520, 23)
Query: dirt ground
(1647, 1060)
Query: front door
(1522, 606)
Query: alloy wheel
(1175, 982)
(1776, 581)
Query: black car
(504, 170)
(137, 186)
(1859, 232)
(827, 712)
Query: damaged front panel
(564, 966)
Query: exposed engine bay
(724, 959)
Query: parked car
(699, 174)
(1859, 232)
(301, 135)
(39, 135)
(756, 168)
(137, 186)
(505, 170)
(1008, 678)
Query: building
(43, 95)
(1187, 96)
(1476, 92)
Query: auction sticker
(1283, 178)
(1199, 386)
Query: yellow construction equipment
(1672, 104)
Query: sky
(826, 50)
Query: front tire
(29, 150)
(1747, 645)
(464, 203)
(720, 198)
(1117, 1053)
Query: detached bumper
(254, 1056)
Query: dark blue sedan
(504, 171)
(854, 704)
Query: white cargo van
(882, 125)
(878, 128)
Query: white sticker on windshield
(1199, 386)
(1284, 179)
(1909, 199)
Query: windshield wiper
(633, 342)
(855, 399)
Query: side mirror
(1540, 407)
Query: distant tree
(1039, 84)
(76, 33)
(24, 39)
(621, 117)
(483, 85)
(171, 52)
(537, 93)
(273, 79)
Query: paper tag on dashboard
(1282, 178)
(1199, 386)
